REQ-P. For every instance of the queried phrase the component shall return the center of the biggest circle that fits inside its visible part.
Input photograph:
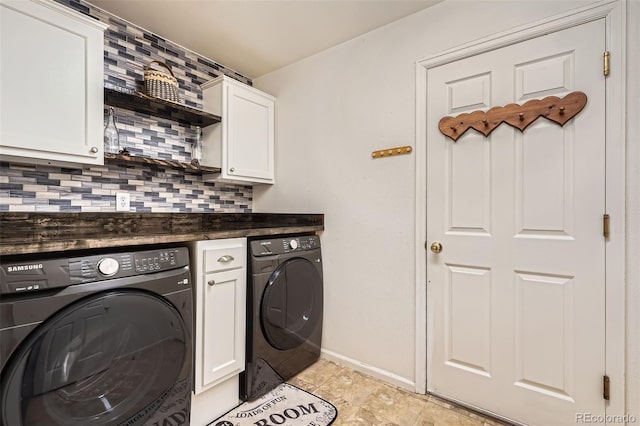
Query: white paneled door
(516, 297)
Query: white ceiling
(254, 37)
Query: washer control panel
(154, 261)
(284, 245)
(18, 276)
(93, 268)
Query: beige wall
(336, 107)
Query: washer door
(107, 359)
(291, 304)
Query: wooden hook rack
(389, 152)
(558, 110)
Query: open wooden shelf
(142, 103)
(131, 159)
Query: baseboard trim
(369, 370)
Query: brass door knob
(436, 247)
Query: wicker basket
(160, 84)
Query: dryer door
(292, 304)
(108, 359)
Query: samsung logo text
(19, 268)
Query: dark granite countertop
(23, 233)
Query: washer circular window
(291, 304)
(107, 359)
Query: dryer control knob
(293, 244)
(108, 266)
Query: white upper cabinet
(51, 81)
(242, 144)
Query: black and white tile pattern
(128, 49)
(152, 189)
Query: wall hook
(390, 152)
(515, 115)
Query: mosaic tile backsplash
(128, 49)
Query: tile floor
(363, 400)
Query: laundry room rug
(286, 405)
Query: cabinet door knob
(94, 150)
(232, 169)
(226, 258)
(211, 282)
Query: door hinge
(605, 388)
(606, 68)
(606, 222)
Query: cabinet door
(51, 80)
(223, 326)
(250, 135)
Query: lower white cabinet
(220, 291)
